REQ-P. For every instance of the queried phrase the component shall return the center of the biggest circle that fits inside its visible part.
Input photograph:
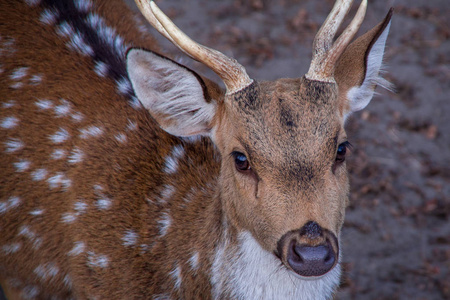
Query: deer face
(283, 176)
(280, 167)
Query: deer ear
(357, 72)
(173, 94)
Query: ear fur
(173, 94)
(358, 70)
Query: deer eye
(240, 161)
(341, 151)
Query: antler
(229, 70)
(325, 53)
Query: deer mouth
(310, 251)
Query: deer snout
(309, 251)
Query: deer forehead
(289, 123)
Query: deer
(126, 175)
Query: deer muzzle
(310, 251)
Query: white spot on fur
(11, 203)
(63, 109)
(121, 138)
(103, 203)
(39, 174)
(44, 104)
(9, 122)
(58, 154)
(60, 136)
(171, 163)
(97, 260)
(119, 45)
(33, 2)
(46, 271)
(176, 275)
(101, 69)
(11, 248)
(8, 104)
(25, 231)
(49, 16)
(19, 73)
(83, 5)
(17, 85)
(80, 207)
(194, 261)
(8, 46)
(59, 180)
(135, 103)
(22, 165)
(131, 126)
(30, 291)
(78, 44)
(67, 281)
(13, 145)
(93, 20)
(37, 212)
(78, 248)
(68, 218)
(76, 156)
(166, 193)
(65, 29)
(247, 271)
(77, 117)
(98, 188)
(130, 238)
(191, 194)
(91, 131)
(144, 248)
(164, 224)
(124, 86)
(36, 79)
(32, 236)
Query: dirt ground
(396, 239)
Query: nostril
(311, 261)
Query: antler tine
(344, 39)
(324, 37)
(229, 70)
(325, 53)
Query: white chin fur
(247, 271)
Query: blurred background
(396, 238)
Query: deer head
(283, 144)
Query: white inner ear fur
(172, 94)
(360, 96)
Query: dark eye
(341, 151)
(240, 161)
